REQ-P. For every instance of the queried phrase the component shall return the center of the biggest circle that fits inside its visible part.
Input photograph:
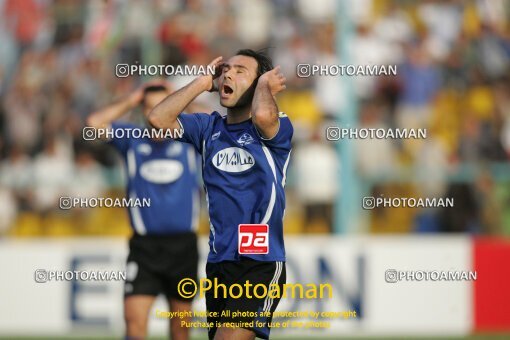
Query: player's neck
(238, 114)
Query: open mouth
(227, 90)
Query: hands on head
(218, 64)
(274, 79)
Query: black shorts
(256, 272)
(156, 264)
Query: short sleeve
(195, 127)
(283, 138)
(120, 143)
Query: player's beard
(245, 99)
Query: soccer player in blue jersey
(163, 248)
(245, 155)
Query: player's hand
(136, 97)
(210, 78)
(274, 79)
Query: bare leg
(136, 315)
(176, 331)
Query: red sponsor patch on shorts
(253, 239)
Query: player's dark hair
(152, 88)
(264, 62)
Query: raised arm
(264, 109)
(164, 115)
(105, 116)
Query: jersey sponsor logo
(245, 139)
(161, 171)
(215, 135)
(233, 159)
(253, 239)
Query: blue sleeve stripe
(270, 160)
(270, 206)
(285, 169)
